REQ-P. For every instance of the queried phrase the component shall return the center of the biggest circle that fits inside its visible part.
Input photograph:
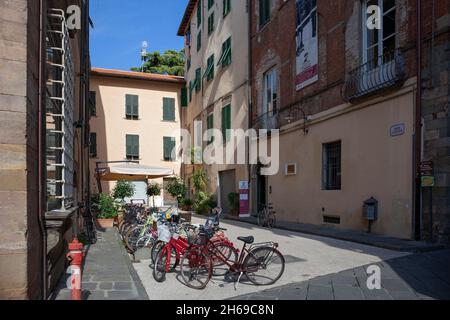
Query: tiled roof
(187, 17)
(136, 75)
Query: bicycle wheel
(261, 217)
(196, 268)
(227, 253)
(264, 266)
(160, 267)
(271, 221)
(156, 250)
(131, 238)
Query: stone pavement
(108, 273)
(371, 239)
(421, 276)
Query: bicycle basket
(164, 233)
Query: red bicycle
(262, 263)
(167, 256)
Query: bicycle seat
(247, 240)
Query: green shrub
(204, 202)
(233, 199)
(177, 189)
(122, 190)
(200, 180)
(186, 204)
(107, 207)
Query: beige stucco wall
(112, 127)
(230, 82)
(374, 164)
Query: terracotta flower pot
(106, 223)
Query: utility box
(370, 209)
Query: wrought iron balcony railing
(378, 74)
(268, 121)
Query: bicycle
(267, 216)
(262, 263)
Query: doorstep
(384, 242)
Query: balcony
(376, 75)
(268, 121)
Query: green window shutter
(198, 80)
(191, 88)
(210, 125)
(209, 73)
(168, 109)
(199, 41)
(128, 105)
(199, 14)
(169, 146)
(136, 106)
(225, 58)
(184, 97)
(211, 23)
(264, 12)
(226, 7)
(226, 122)
(132, 146)
(136, 147)
(93, 144)
(210, 4)
(93, 103)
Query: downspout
(250, 100)
(41, 177)
(418, 125)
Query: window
(169, 149)
(199, 14)
(226, 7)
(188, 63)
(93, 102)
(210, 126)
(211, 24)
(198, 80)
(225, 58)
(270, 98)
(226, 123)
(210, 4)
(93, 144)
(331, 166)
(379, 44)
(191, 88)
(199, 41)
(132, 107)
(168, 109)
(264, 12)
(209, 73)
(184, 97)
(132, 147)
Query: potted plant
(153, 190)
(177, 189)
(107, 211)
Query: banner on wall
(307, 44)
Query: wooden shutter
(129, 145)
(169, 145)
(93, 144)
(184, 97)
(128, 105)
(226, 122)
(168, 109)
(136, 146)
(136, 106)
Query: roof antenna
(143, 54)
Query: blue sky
(120, 26)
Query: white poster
(307, 43)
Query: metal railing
(268, 121)
(377, 74)
(59, 113)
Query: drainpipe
(418, 125)
(249, 86)
(41, 176)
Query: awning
(133, 172)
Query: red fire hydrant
(75, 257)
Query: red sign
(244, 199)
